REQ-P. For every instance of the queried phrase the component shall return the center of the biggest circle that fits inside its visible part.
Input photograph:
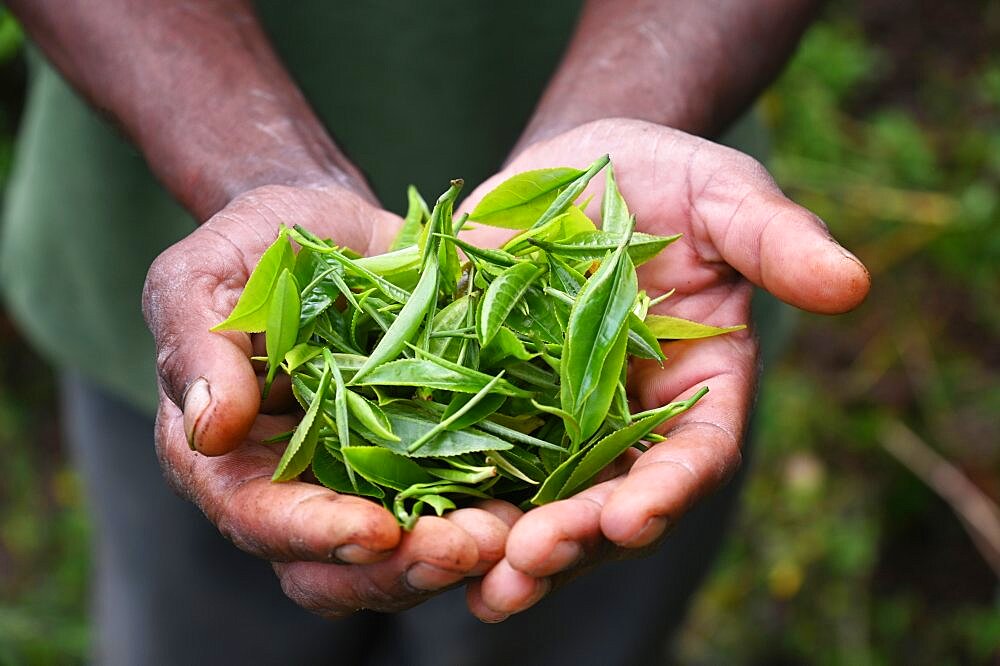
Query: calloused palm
(334, 553)
(738, 229)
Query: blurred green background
(869, 531)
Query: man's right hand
(333, 553)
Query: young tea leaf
(383, 467)
(250, 313)
(299, 452)
(604, 452)
(282, 324)
(664, 327)
(518, 201)
(501, 297)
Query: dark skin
(199, 90)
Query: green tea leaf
(400, 267)
(452, 418)
(503, 346)
(358, 268)
(484, 407)
(503, 386)
(555, 481)
(518, 201)
(598, 315)
(501, 297)
(407, 321)
(664, 327)
(641, 341)
(433, 375)
(332, 473)
(370, 416)
(340, 408)
(574, 221)
(282, 324)
(615, 217)
(596, 244)
(439, 503)
(470, 476)
(250, 313)
(604, 452)
(593, 407)
(300, 354)
(416, 213)
(410, 425)
(566, 198)
(383, 467)
(450, 317)
(299, 452)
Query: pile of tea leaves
(442, 372)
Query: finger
(194, 285)
(276, 521)
(772, 241)
(189, 289)
(488, 530)
(512, 591)
(558, 536)
(434, 555)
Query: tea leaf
(518, 201)
(384, 468)
(416, 213)
(410, 425)
(282, 324)
(407, 321)
(572, 191)
(250, 313)
(604, 452)
(370, 416)
(299, 452)
(456, 415)
(598, 316)
(596, 244)
(501, 297)
(664, 327)
(332, 473)
(615, 217)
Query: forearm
(197, 87)
(694, 66)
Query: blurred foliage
(840, 555)
(887, 125)
(44, 562)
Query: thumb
(208, 375)
(780, 246)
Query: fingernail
(564, 555)
(427, 577)
(352, 553)
(649, 533)
(197, 398)
(496, 619)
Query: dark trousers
(169, 590)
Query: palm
(334, 553)
(736, 227)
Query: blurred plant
(841, 554)
(43, 528)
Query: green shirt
(413, 92)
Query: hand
(738, 229)
(333, 553)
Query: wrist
(206, 170)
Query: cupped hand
(333, 553)
(738, 230)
